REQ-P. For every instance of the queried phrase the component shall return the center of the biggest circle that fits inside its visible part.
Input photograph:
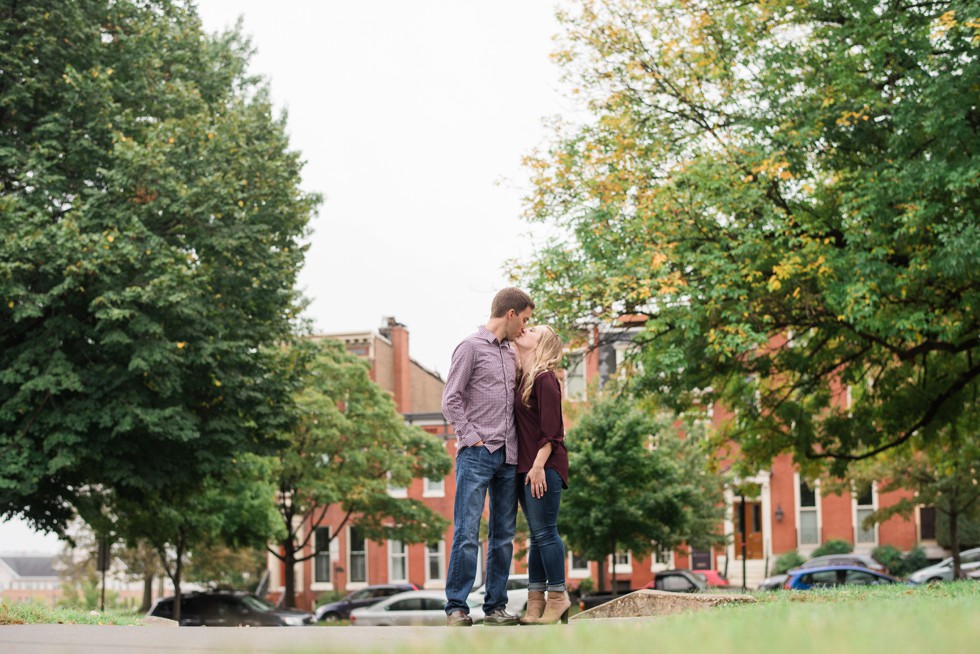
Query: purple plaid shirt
(478, 399)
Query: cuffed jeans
(546, 555)
(478, 472)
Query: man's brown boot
(535, 607)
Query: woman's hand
(539, 484)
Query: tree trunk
(289, 583)
(615, 588)
(178, 569)
(954, 542)
(147, 592)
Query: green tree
(348, 444)
(941, 472)
(236, 510)
(788, 191)
(635, 484)
(152, 226)
(222, 566)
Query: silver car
(943, 571)
(516, 594)
(416, 607)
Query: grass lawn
(939, 619)
(34, 613)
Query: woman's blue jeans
(546, 556)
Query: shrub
(787, 561)
(833, 547)
(890, 557)
(585, 586)
(915, 559)
(899, 564)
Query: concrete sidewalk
(95, 639)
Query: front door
(749, 527)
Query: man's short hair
(507, 299)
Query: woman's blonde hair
(547, 356)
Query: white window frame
(396, 491)
(806, 548)
(621, 568)
(394, 555)
(856, 520)
(354, 585)
(434, 487)
(577, 573)
(440, 554)
(576, 396)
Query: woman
(542, 471)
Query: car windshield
(257, 604)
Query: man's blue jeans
(479, 471)
(546, 556)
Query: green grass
(943, 619)
(36, 613)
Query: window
(623, 563)
(857, 578)
(396, 491)
(321, 562)
(864, 499)
(434, 488)
(578, 566)
(809, 523)
(824, 579)
(397, 561)
(575, 377)
(927, 523)
(674, 583)
(413, 604)
(435, 561)
(356, 556)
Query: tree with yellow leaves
(789, 192)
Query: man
(479, 403)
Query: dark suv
(223, 608)
(340, 610)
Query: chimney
(402, 365)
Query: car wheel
(330, 617)
(936, 580)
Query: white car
(412, 608)
(943, 571)
(516, 595)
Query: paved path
(94, 639)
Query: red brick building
(350, 561)
(784, 514)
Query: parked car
(340, 610)
(713, 578)
(835, 575)
(222, 608)
(774, 582)
(673, 581)
(418, 607)
(677, 581)
(516, 594)
(943, 571)
(860, 560)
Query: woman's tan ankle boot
(555, 608)
(535, 607)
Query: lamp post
(741, 497)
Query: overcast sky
(413, 117)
